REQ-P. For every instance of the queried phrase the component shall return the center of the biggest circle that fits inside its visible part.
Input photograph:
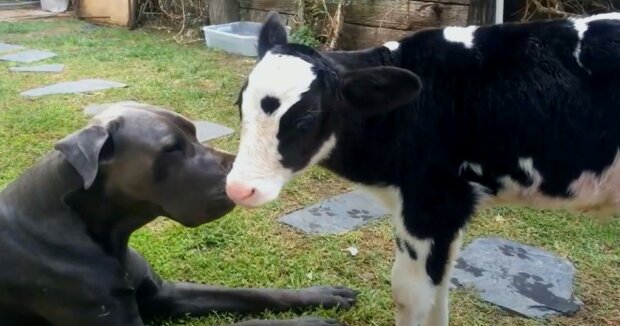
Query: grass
(249, 248)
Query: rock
(522, 279)
(28, 56)
(337, 214)
(80, 86)
(4, 47)
(206, 131)
(94, 109)
(51, 68)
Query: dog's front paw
(331, 297)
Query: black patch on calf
(269, 104)
(271, 34)
(239, 100)
(410, 250)
(600, 47)
(403, 246)
(399, 244)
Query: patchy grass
(249, 248)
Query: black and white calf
(437, 124)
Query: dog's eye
(174, 147)
(306, 123)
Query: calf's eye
(306, 123)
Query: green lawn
(249, 248)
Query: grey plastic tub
(238, 37)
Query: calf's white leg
(412, 289)
(440, 311)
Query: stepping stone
(524, 280)
(52, 68)
(4, 47)
(337, 214)
(80, 86)
(94, 109)
(206, 131)
(28, 56)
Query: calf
(515, 113)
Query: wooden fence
(371, 22)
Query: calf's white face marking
(281, 79)
(463, 35)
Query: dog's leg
(291, 322)
(179, 299)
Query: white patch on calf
(594, 194)
(324, 151)
(283, 77)
(581, 26)
(258, 163)
(392, 45)
(475, 167)
(598, 195)
(463, 35)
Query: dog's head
(147, 160)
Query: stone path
(4, 47)
(50, 68)
(28, 56)
(205, 130)
(79, 86)
(522, 279)
(337, 214)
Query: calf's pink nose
(239, 192)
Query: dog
(65, 225)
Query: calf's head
(291, 105)
(146, 162)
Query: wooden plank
(260, 16)
(223, 11)
(115, 12)
(411, 15)
(481, 12)
(359, 37)
(405, 15)
(290, 6)
(281, 6)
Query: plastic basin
(238, 37)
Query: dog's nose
(239, 193)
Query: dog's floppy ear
(82, 150)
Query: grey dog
(65, 225)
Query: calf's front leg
(428, 237)
(419, 292)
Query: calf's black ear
(271, 34)
(82, 150)
(379, 89)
